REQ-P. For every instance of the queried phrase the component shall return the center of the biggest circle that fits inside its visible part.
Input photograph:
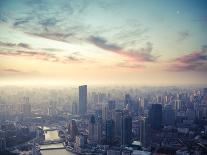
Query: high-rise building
(95, 130)
(155, 116)
(74, 108)
(82, 100)
(117, 117)
(177, 105)
(128, 102)
(126, 132)
(91, 129)
(168, 115)
(205, 91)
(2, 141)
(143, 131)
(26, 109)
(73, 129)
(98, 131)
(106, 113)
(205, 95)
(110, 132)
(52, 110)
(112, 104)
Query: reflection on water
(53, 135)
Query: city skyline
(103, 42)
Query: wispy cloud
(48, 22)
(183, 35)
(45, 56)
(11, 45)
(196, 61)
(128, 65)
(36, 55)
(141, 54)
(73, 59)
(104, 44)
(3, 17)
(10, 70)
(58, 36)
(20, 21)
(201, 19)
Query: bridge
(51, 142)
(52, 148)
(53, 128)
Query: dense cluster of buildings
(164, 121)
(168, 123)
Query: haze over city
(103, 42)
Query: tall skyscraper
(74, 108)
(26, 107)
(168, 115)
(109, 132)
(98, 130)
(91, 129)
(128, 102)
(117, 117)
(95, 130)
(82, 100)
(126, 133)
(106, 112)
(73, 129)
(142, 131)
(155, 116)
(2, 141)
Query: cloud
(196, 61)
(183, 35)
(141, 54)
(22, 21)
(3, 17)
(12, 70)
(51, 49)
(36, 55)
(72, 59)
(130, 65)
(58, 36)
(22, 45)
(48, 22)
(201, 19)
(102, 43)
(45, 56)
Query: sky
(133, 42)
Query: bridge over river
(52, 146)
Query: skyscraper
(109, 131)
(142, 130)
(126, 133)
(168, 115)
(74, 108)
(82, 100)
(128, 102)
(73, 129)
(117, 117)
(98, 130)
(155, 116)
(95, 130)
(91, 129)
(2, 141)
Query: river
(53, 135)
